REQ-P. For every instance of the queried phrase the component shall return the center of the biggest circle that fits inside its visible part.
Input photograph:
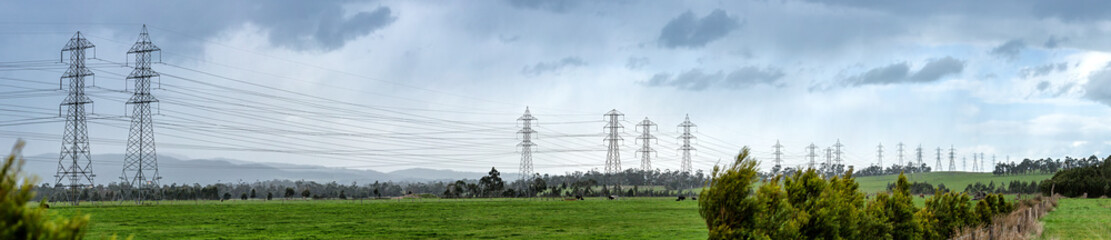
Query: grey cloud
(751, 75)
(558, 6)
(893, 73)
(900, 73)
(1064, 10)
(936, 69)
(1043, 85)
(331, 30)
(1009, 49)
(1099, 87)
(688, 31)
(1054, 41)
(635, 63)
(697, 80)
(298, 25)
(1043, 70)
(555, 67)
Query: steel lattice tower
(778, 153)
(75, 161)
(829, 157)
(645, 139)
(938, 166)
(952, 164)
(613, 140)
(900, 150)
(973, 163)
(918, 153)
(837, 152)
(879, 155)
(140, 167)
(686, 136)
(992, 163)
(812, 155)
(526, 145)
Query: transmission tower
(973, 162)
(938, 166)
(526, 145)
(645, 141)
(837, 152)
(778, 153)
(813, 156)
(918, 153)
(685, 166)
(613, 139)
(75, 161)
(900, 153)
(879, 155)
(829, 157)
(140, 167)
(952, 166)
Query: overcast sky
(438, 84)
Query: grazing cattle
(681, 198)
(579, 197)
(694, 198)
(612, 197)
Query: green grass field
(631, 218)
(1079, 219)
(953, 180)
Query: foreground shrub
(18, 219)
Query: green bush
(21, 220)
(808, 206)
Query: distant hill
(952, 180)
(205, 171)
(448, 175)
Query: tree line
(1015, 186)
(631, 182)
(1093, 180)
(1045, 165)
(807, 205)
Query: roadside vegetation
(806, 205)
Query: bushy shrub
(807, 205)
(21, 220)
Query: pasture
(1078, 219)
(955, 181)
(594, 218)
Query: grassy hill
(952, 180)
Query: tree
(342, 195)
(378, 195)
(269, 196)
(538, 185)
(227, 196)
(892, 215)
(289, 192)
(305, 194)
(731, 212)
(18, 220)
(492, 184)
(243, 196)
(253, 193)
